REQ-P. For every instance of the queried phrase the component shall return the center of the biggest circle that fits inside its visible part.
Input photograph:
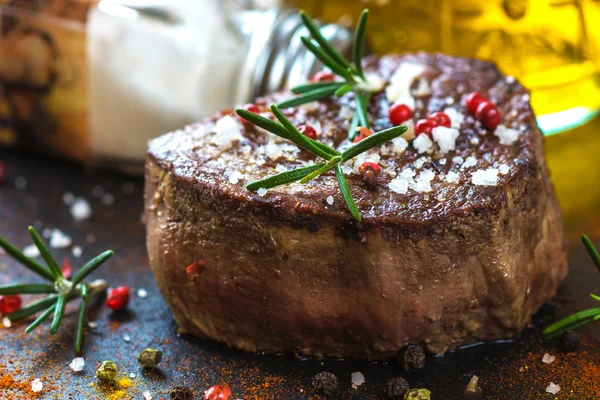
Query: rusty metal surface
(511, 370)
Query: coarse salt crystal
(273, 150)
(330, 200)
(474, 140)
(68, 198)
(132, 375)
(59, 240)
(469, 162)
(422, 183)
(143, 293)
(93, 324)
(456, 117)
(443, 161)
(37, 385)
(80, 209)
(347, 167)
(261, 192)
(374, 83)
(503, 169)
(147, 395)
(553, 388)
(6, 322)
(77, 364)
(399, 184)
(399, 144)
(401, 81)
(31, 251)
(226, 131)
(357, 379)
(458, 160)
(445, 138)
(452, 177)
(410, 130)
(506, 135)
(487, 177)
(548, 358)
(422, 143)
(126, 338)
(280, 168)
(234, 177)
(77, 251)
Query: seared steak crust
(289, 270)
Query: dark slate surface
(507, 371)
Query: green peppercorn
(107, 371)
(150, 358)
(418, 394)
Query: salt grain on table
(59, 240)
(553, 388)
(548, 358)
(80, 209)
(31, 251)
(77, 251)
(37, 385)
(147, 395)
(77, 364)
(126, 338)
(93, 324)
(132, 375)
(357, 379)
(142, 293)
(6, 322)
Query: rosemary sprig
(334, 159)
(60, 293)
(580, 318)
(351, 72)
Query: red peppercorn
(218, 392)
(323, 76)
(424, 126)
(473, 101)
(253, 108)
(398, 113)
(308, 131)
(488, 114)
(66, 268)
(440, 119)
(118, 298)
(10, 304)
(368, 164)
(362, 133)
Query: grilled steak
(460, 241)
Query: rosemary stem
(27, 262)
(81, 318)
(40, 319)
(32, 288)
(46, 253)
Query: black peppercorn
(569, 341)
(412, 358)
(396, 388)
(369, 178)
(181, 393)
(325, 383)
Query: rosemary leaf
(324, 43)
(359, 42)
(31, 264)
(300, 139)
(571, 322)
(317, 94)
(59, 312)
(372, 141)
(32, 288)
(593, 296)
(91, 266)
(346, 194)
(81, 319)
(326, 59)
(281, 131)
(45, 252)
(342, 90)
(353, 125)
(361, 110)
(309, 87)
(32, 308)
(283, 178)
(589, 246)
(330, 164)
(40, 319)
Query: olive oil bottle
(552, 46)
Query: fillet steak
(460, 241)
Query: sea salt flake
(422, 143)
(487, 177)
(93, 324)
(330, 200)
(262, 192)
(506, 135)
(422, 183)
(469, 162)
(400, 184)
(226, 131)
(59, 240)
(553, 388)
(280, 168)
(456, 117)
(503, 169)
(132, 375)
(399, 145)
(6, 322)
(147, 395)
(234, 177)
(37, 385)
(126, 338)
(401, 81)
(31, 251)
(548, 358)
(445, 138)
(458, 160)
(421, 161)
(357, 379)
(410, 130)
(143, 293)
(374, 83)
(80, 209)
(77, 364)
(452, 177)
